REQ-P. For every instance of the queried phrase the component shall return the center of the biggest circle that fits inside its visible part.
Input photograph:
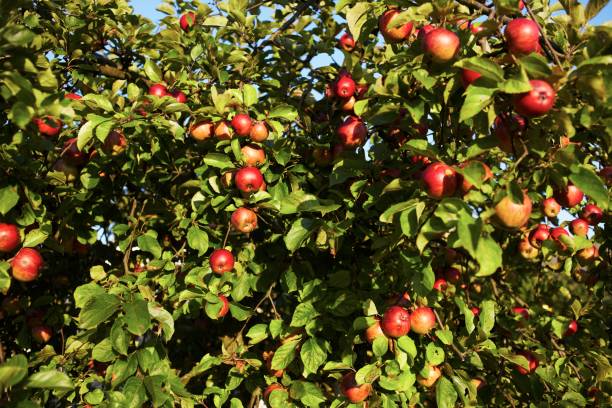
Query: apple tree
(305, 203)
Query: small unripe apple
(572, 328)
(397, 34)
(433, 373)
(158, 90)
(221, 261)
(345, 86)
(253, 155)
(202, 130)
(48, 126)
(592, 214)
(26, 264)
(422, 320)
(441, 45)
(42, 334)
(179, 96)
(259, 132)
(511, 214)
(373, 332)
(570, 196)
(244, 220)
(533, 362)
(440, 285)
(270, 388)
(551, 207)
(224, 306)
(395, 322)
(536, 102)
(347, 42)
(579, 227)
(440, 180)
(187, 21)
(526, 250)
(468, 76)
(352, 132)
(509, 129)
(248, 179)
(354, 392)
(538, 235)
(242, 124)
(223, 131)
(522, 36)
(115, 143)
(9, 237)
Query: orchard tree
(197, 213)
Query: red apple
(508, 129)
(478, 383)
(606, 174)
(248, 179)
(441, 45)
(158, 90)
(452, 274)
(253, 155)
(587, 255)
(466, 186)
(373, 332)
(26, 264)
(592, 214)
(221, 261)
(551, 207)
(71, 173)
(475, 310)
(347, 104)
(433, 373)
(526, 250)
(42, 334)
(259, 132)
(224, 306)
(422, 32)
(556, 234)
(187, 21)
(242, 124)
(422, 320)
(397, 34)
(115, 143)
(396, 322)
(244, 220)
(522, 36)
(347, 42)
(179, 96)
(345, 86)
(71, 152)
(579, 227)
(72, 96)
(330, 93)
(48, 126)
(361, 89)
(440, 180)
(202, 130)
(354, 392)
(570, 196)
(533, 362)
(511, 214)
(468, 76)
(9, 237)
(572, 328)
(352, 132)
(538, 235)
(522, 311)
(476, 28)
(223, 131)
(536, 102)
(270, 388)
(440, 285)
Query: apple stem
(229, 227)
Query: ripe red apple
(440, 180)
(556, 234)
(422, 32)
(511, 214)
(158, 90)
(221, 261)
(347, 42)
(73, 96)
(248, 179)
(345, 86)
(522, 311)
(253, 155)
(26, 264)
(572, 328)
(476, 28)
(223, 131)
(587, 255)
(441, 45)
(538, 235)
(397, 34)
(270, 388)
(48, 126)
(592, 214)
(9, 237)
(440, 285)
(579, 227)
(606, 174)
(551, 207)
(202, 130)
(373, 332)
(475, 310)
(536, 102)
(507, 129)
(352, 132)
(354, 392)
(115, 143)
(466, 186)
(71, 152)
(42, 334)
(396, 322)
(179, 96)
(452, 274)
(187, 21)
(533, 362)
(422, 320)
(522, 36)
(433, 373)
(259, 132)
(244, 220)
(224, 306)
(242, 124)
(468, 76)
(361, 89)
(570, 196)
(329, 91)
(71, 173)
(526, 250)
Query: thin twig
(553, 52)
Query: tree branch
(553, 52)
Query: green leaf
(103, 129)
(85, 134)
(13, 370)
(97, 310)
(303, 314)
(484, 66)
(357, 16)
(446, 396)
(476, 99)
(536, 65)
(257, 333)
(387, 216)
(219, 160)
(8, 199)
(149, 244)
(434, 354)
(198, 240)
(587, 181)
(409, 219)
(517, 84)
(215, 21)
(100, 101)
(287, 112)
(487, 316)
(249, 93)
(137, 317)
(103, 351)
(313, 355)
(489, 256)
(367, 374)
(37, 236)
(284, 355)
(594, 7)
(152, 71)
(300, 230)
(51, 380)
(380, 346)
(407, 345)
(445, 336)
(164, 318)
(21, 114)
(469, 231)
(119, 338)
